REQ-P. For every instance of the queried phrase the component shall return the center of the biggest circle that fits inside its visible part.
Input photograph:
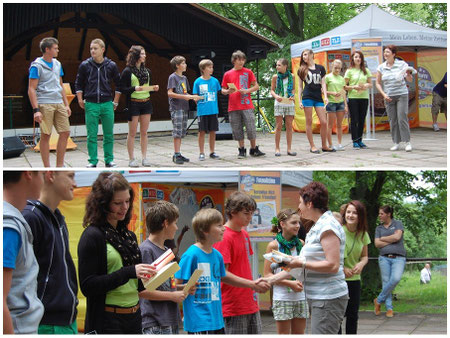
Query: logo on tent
(316, 44)
(335, 40)
(325, 42)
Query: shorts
(139, 108)
(312, 103)
(439, 103)
(239, 119)
(161, 330)
(243, 324)
(283, 110)
(54, 114)
(335, 107)
(208, 123)
(287, 310)
(179, 122)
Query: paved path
(370, 324)
(429, 151)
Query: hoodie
(57, 278)
(94, 80)
(25, 307)
(49, 90)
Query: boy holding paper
(203, 311)
(159, 308)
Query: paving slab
(429, 152)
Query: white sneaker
(201, 157)
(408, 146)
(333, 147)
(435, 127)
(340, 147)
(133, 163)
(395, 147)
(146, 163)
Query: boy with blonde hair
(207, 86)
(240, 306)
(203, 311)
(240, 105)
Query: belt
(392, 256)
(140, 100)
(122, 310)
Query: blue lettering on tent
(336, 40)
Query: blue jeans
(391, 273)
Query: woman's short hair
(239, 201)
(392, 48)
(203, 220)
(387, 209)
(101, 195)
(316, 193)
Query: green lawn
(414, 297)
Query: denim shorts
(335, 107)
(312, 103)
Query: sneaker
(242, 152)
(408, 146)
(185, 159)
(334, 148)
(362, 145)
(214, 156)
(256, 152)
(111, 165)
(90, 165)
(435, 127)
(133, 163)
(177, 159)
(395, 147)
(340, 147)
(146, 163)
(201, 157)
(356, 146)
(389, 313)
(377, 307)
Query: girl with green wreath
(289, 305)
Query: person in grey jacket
(49, 101)
(95, 96)
(22, 309)
(57, 278)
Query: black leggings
(358, 112)
(354, 293)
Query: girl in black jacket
(139, 106)
(109, 259)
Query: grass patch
(413, 297)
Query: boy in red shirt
(240, 105)
(239, 305)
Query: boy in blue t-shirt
(207, 86)
(203, 310)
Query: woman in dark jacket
(109, 259)
(132, 81)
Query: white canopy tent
(373, 22)
(293, 178)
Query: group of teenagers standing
(333, 95)
(40, 282)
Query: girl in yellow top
(358, 81)
(355, 258)
(337, 102)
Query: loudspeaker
(224, 132)
(12, 147)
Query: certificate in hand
(191, 282)
(232, 86)
(285, 100)
(161, 276)
(148, 88)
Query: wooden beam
(28, 52)
(82, 42)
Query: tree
(413, 195)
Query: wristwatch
(115, 104)
(35, 110)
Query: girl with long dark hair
(132, 81)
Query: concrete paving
(429, 152)
(401, 323)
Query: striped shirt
(393, 78)
(319, 285)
